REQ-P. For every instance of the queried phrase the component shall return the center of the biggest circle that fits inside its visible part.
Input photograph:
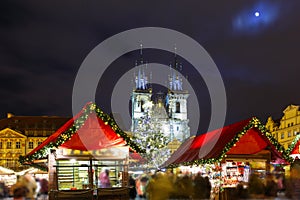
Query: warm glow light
(73, 161)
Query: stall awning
(242, 138)
(6, 171)
(90, 129)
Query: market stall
(233, 152)
(83, 147)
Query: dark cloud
(43, 43)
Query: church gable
(9, 133)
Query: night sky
(43, 43)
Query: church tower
(177, 104)
(141, 95)
(168, 114)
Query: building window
(177, 107)
(289, 134)
(8, 145)
(30, 133)
(39, 143)
(295, 132)
(30, 145)
(292, 124)
(44, 133)
(18, 145)
(142, 106)
(1, 146)
(282, 135)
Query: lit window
(8, 145)
(30, 145)
(282, 135)
(18, 145)
(295, 132)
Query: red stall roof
(246, 137)
(294, 146)
(90, 129)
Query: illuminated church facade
(168, 112)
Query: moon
(256, 14)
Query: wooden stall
(85, 145)
(238, 150)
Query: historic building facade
(167, 113)
(286, 128)
(21, 134)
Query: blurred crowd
(161, 186)
(26, 188)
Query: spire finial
(141, 53)
(175, 57)
(175, 50)
(141, 48)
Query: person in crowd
(295, 179)
(280, 183)
(27, 181)
(3, 190)
(141, 184)
(241, 192)
(132, 190)
(270, 186)
(44, 188)
(207, 187)
(256, 186)
(20, 192)
(104, 179)
(200, 187)
(182, 187)
(38, 187)
(159, 187)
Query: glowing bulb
(256, 14)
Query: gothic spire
(175, 81)
(141, 80)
